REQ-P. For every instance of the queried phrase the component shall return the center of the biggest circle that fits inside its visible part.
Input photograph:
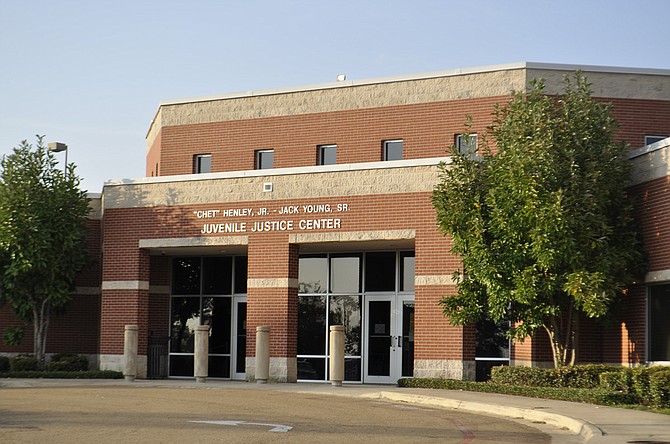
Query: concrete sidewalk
(594, 424)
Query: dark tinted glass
(311, 325)
(186, 275)
(380, 271)
(185, 317)
(240, 274)
(265, 159)
(659, 327)
(240, 365)
(312, 368)
(219, 366)
(346, 310)
(217, 275)
(216, 313)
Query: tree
(42, 236)
(543, 226)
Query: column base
(444, 369)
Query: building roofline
(420, 76)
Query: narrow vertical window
(265, 159)
(392, 149)
(327, 154)
(467, 144)
(202, 163)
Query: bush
(23, 363)
(618, 381)
(4, 364)
(578, 376)
(68, 362)
(525, 376)
(91, 374)
(659, 388)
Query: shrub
(4, 364)
(618, 381)
(659, 388)
(526, 376)
(579, 376)
(23, 363)
(68, 362)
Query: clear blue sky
(92, 73)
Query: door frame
(396, 301)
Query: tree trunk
(563, 337)
(40, 324)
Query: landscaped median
(640, 387)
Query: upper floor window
(392, 149)
(202, 163)
(467, 144)
(327, 154)
(648, 140)
(265, 159)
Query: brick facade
(359, 205)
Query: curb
(580, 427)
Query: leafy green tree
(42, 236)
(543, 224)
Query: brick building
(306, 207)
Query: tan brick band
(272, 283)
(303, 184)
(125, 285)
(193, 242)
(351, 236)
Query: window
(327, 154)
(659, 328)
(392, 149)
(265, 159)
(648, 140)
(202, 163)
(467, 144)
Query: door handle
(399, 338)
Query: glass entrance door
(389, 334)
(240, 338)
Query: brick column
(272, 300)
(125, 300)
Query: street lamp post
(57, 147)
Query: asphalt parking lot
(135, 413)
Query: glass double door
(389, 338)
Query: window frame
(657, 138)
(385, 149)
(464, 148)
(320, 154)
(258, 161)
(197, 163)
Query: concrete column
(262, 354)
(336, 356)
(130, 352)
(201, 358)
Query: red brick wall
(427, 130)
(638, 118)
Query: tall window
(265, 159)
(202, 163)
(659, 328)
(467, 144)
(392, 149)
(327, 154)
(202, 292)
(331, 289)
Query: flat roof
(422, 76)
